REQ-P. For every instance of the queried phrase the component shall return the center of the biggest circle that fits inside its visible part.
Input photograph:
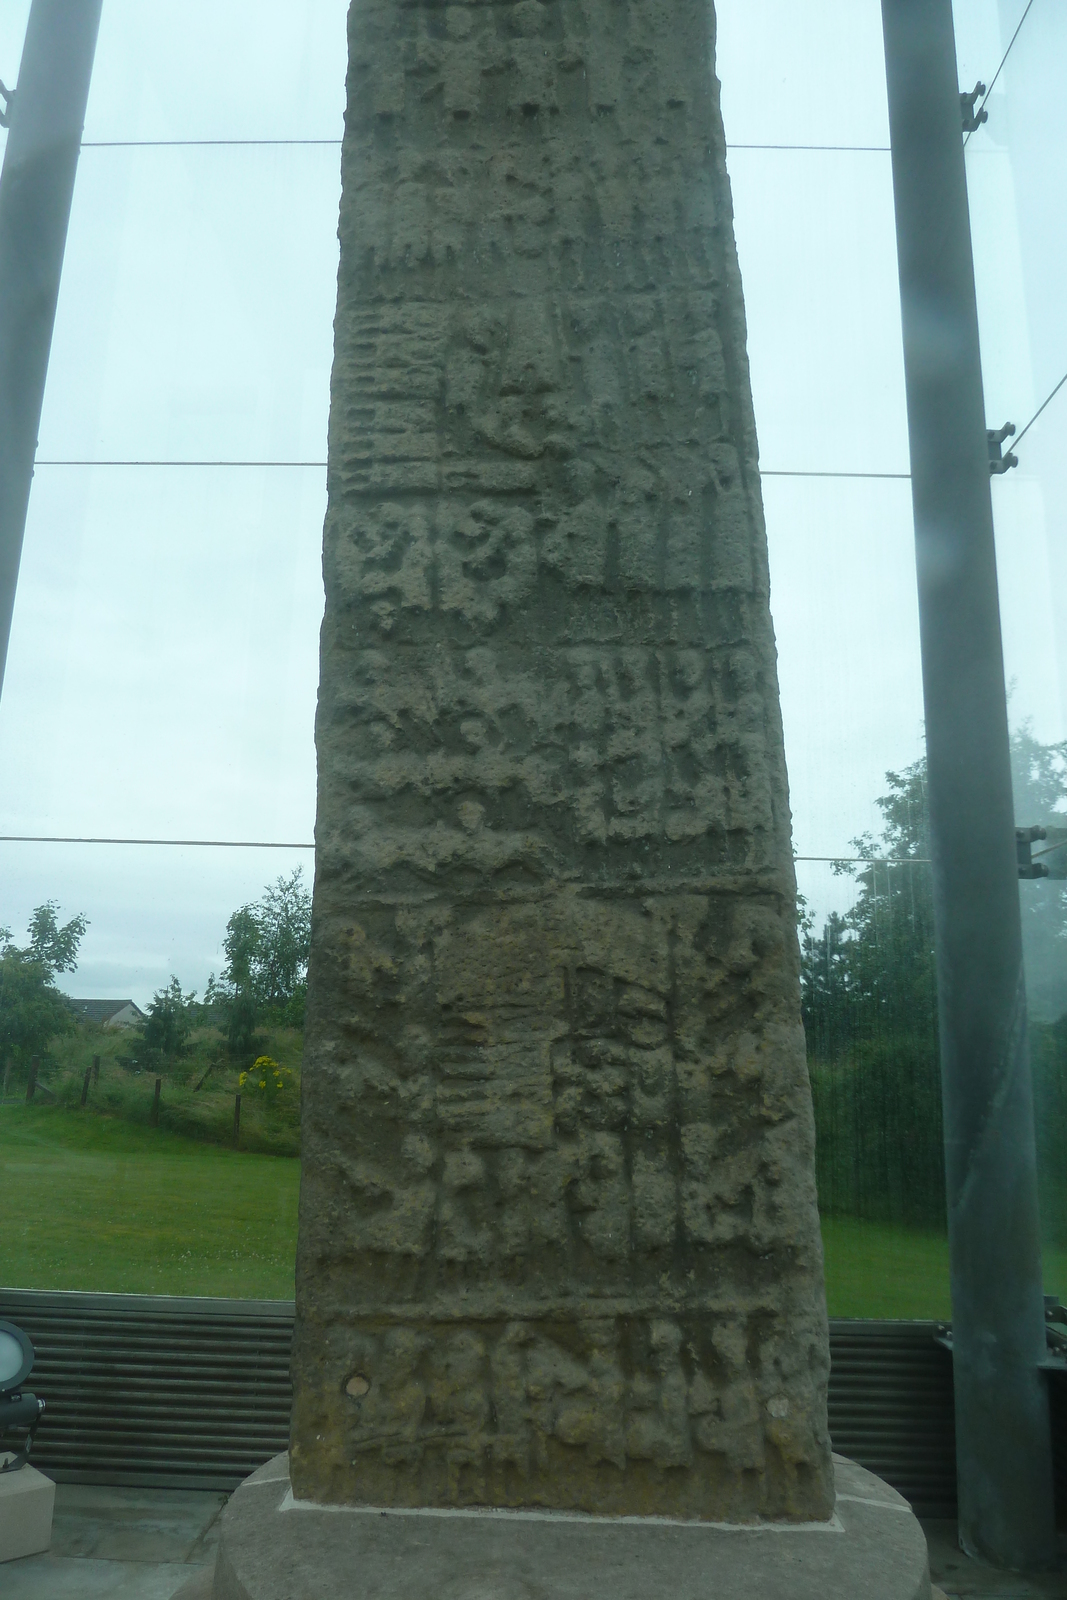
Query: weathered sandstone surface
(558, 1237)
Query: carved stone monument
(558, 1234)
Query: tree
(32, 1010)
(870, 1015)
(55, 947)
(169, 1021)
(267, 946)
(869, 1000)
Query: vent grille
(153, 1389)
(145, 1389)
(891, 1408)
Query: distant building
(109, 1013)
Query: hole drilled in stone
(357, 1386)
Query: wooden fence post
(155, 1103)
(32, 1085)
(96, 1069)
(236, 1119)
(85, 1084)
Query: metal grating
(146, 1389)
(891, 1407)
(154, 1389)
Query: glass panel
(983, 31)
(846, 624)
(162, 670)
(195, 319)
(823, 337)
(816, 241)
(193, 69)
(870, 1016)
(796, 75)
(1016, 170)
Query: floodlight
(20, 1412)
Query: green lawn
(93, 1202)
(876, 1270)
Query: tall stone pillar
(558, 1235)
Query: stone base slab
(275, 1548)
(27, 1500)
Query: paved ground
(958, 1575)
(118, 1544)
(144, 1544)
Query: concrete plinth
(27, 1499)
(273, 1548)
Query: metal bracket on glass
(998, 461)
(973, 119)
(1056, 1359)
(1028, 867)
(8, 97)
(1056, 851)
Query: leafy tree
(32, 1010)
(55, 948)
(284, 920)
(870, 1008)
(265, 975)
(169, 1021)
(870, 1015)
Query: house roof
(101, 1010)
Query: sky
(162, 672)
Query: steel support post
(45, 115)
(1002, 1420)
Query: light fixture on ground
(20, 1411)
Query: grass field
(94, 1202)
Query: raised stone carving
(558, 1239)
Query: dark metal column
(46, 113)
(1002, 1422)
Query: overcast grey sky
(162, 673)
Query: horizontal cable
(773, 472)
(180, 144)
(274, 844)
(206, 844)
(871, 861)
(873, 149)
(765, 472)
(72, 463)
